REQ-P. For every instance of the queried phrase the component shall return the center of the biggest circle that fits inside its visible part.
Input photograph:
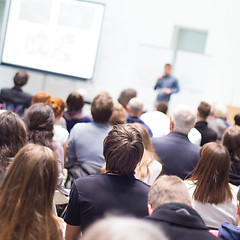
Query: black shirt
(93, 196)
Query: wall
(138, 37)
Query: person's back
(178, 155)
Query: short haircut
(220, 110)
(168, 65)
(41, 97)
(237, 119)
(21, 78)
(123, 149)
(135, 105)
(75, 102)
(162, 106)
(119, 115)
(126, 95)
(183, 119)
(168, 189)
(102, 108)
(57, 105)
(204, 109)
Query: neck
(200, 119)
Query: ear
(150, 209)
(127, 107)
(171, 125)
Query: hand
(160, 78)
(166, 90)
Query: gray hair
(220, 110)
(183, 119)
(123, 228)
(135, 105)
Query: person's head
(126, 95)
(75, 102)
(13, 137)
(183, 119)
(219, 110)
(161, 107)
(167, 69)
(123, 149)
(123, 228)
(237, 119)
(212, 174)
(20, 78)
(203, 110)
(58, 106)
(102, 108)
(39, 119)
(167, 189)
(231, 140)
(41, 97)
(135, 107)
(26, 195)
(119, 115)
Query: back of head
(119, 115)
(13, 137)
(219, 110)
(21, 78)
(204, 110)
(231, 140)
(41, 97)
(26, 195)
(123, 149)
(212, 174)
(237, 119)
(123, 228)
(102, 108)
(162, 107)
(168, 189)
(183, 119)
(75, 102)
(58, 106)
(135, 106)
(126, 95)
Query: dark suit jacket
(179, 221)
(177, 154)
(208, 135)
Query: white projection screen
(54, 36)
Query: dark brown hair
(26, 196)
(13, 137)
(162, 107)
(123, 149)
(41, 97)
(231, 140)
(212, 174)
(75, 102)
(21, 78)
(102, 108)
(39, 119)
(126, 95)
(57, 105)
(204, 109)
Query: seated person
(41, 97)
(135, 109)
(15, 99)
(116, 191)
(126, 95)
(119, 115)
(169, 207)
(211, 194)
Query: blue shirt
(166, 82)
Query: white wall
(137, 39)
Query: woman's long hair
(212, 174)
(26, 196)
(13, 137)
(149, 154)
(39, 119)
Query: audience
(169, 207)
(237, 119)
(115, 191)
(41, 97)
(123, 228)
(119, 115)
(134, 110)
(126, 95)
(212, 196)
(85, 146)
(178, 155)
(208, 135)
(12, 138)
(231, 140)
(149, 168)
(74, 114)
(15, 99)
(26, 196)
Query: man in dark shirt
(208, 135)
(14, 98)
(116, 191)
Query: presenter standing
(166, 85)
